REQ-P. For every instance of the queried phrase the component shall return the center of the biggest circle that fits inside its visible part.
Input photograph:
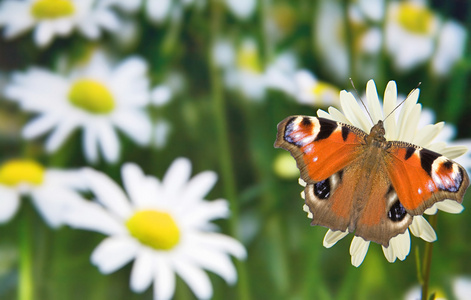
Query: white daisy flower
(415, 34)
(96, 97)
(56, 17)
(311, 91)
(52, 191)
(242, 9)
(164, 226)
(404, 127)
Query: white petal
(195, 278)
(221, 242)
(454, 151)
(109, 142)
(135, 124)
(133, 179)
(199, 186)
(389, 253)
(373, 102)
(142, 271)
(401, 245)
(62, 131)
(358, 250)
(462, 288)
(43, 34)
(337, 115)
(390, 100)
(205, 212)
(51, 204)
(353, 112)
(158, 10)
(164, 283)
(332, 237)
(450, 206)
(242, 8)
(108, 193)
(91, 216)
(425, 135)
(9, 203)
(177, 176)
(161, 95)
(90, 144)
(40, 125)
(213, 261)
(113, 253)
(421, 228)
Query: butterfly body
(363, 183)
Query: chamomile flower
(164, 226)
(415, 34)
(403, 128)
(97, 98)
(56, 17)
(52, 192)
(311, 91)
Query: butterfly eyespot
(322, 189)
(397, 212)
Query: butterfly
(363, 183)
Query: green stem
(227, 168)
(25, 284)
(427, 263)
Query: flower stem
(426, 265)
(226, 166)
(25, 284)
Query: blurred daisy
(164, 226)
(311, 91)
(242, 9)
(243, 67)
(52, 191)
(56, 17)
(403, 128)
(414, 33)
(461, 288)
(96, 97)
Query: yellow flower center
(156, 229)
(91, 96)
(248, 59)
(414, 18)
(15, 172)
(52, 9)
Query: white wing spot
(315, 159)
(420, 191)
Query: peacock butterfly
(363, 183)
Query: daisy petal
(353, 112)
(373, 102)
(62, 131)
(358, 250)
(113, 253)
(401, 245)
(390, 99)
(195, 278)
(214, 261)
(332, 237)
(421, 228)
(199, 186)
(108, 193)
(222, 242)
(109, 142)
(141, 274)
(9, 203)
(450, 206)
(39, 125)
(164, 282)
(177, 176)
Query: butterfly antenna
(397, 106)
(363, 103)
